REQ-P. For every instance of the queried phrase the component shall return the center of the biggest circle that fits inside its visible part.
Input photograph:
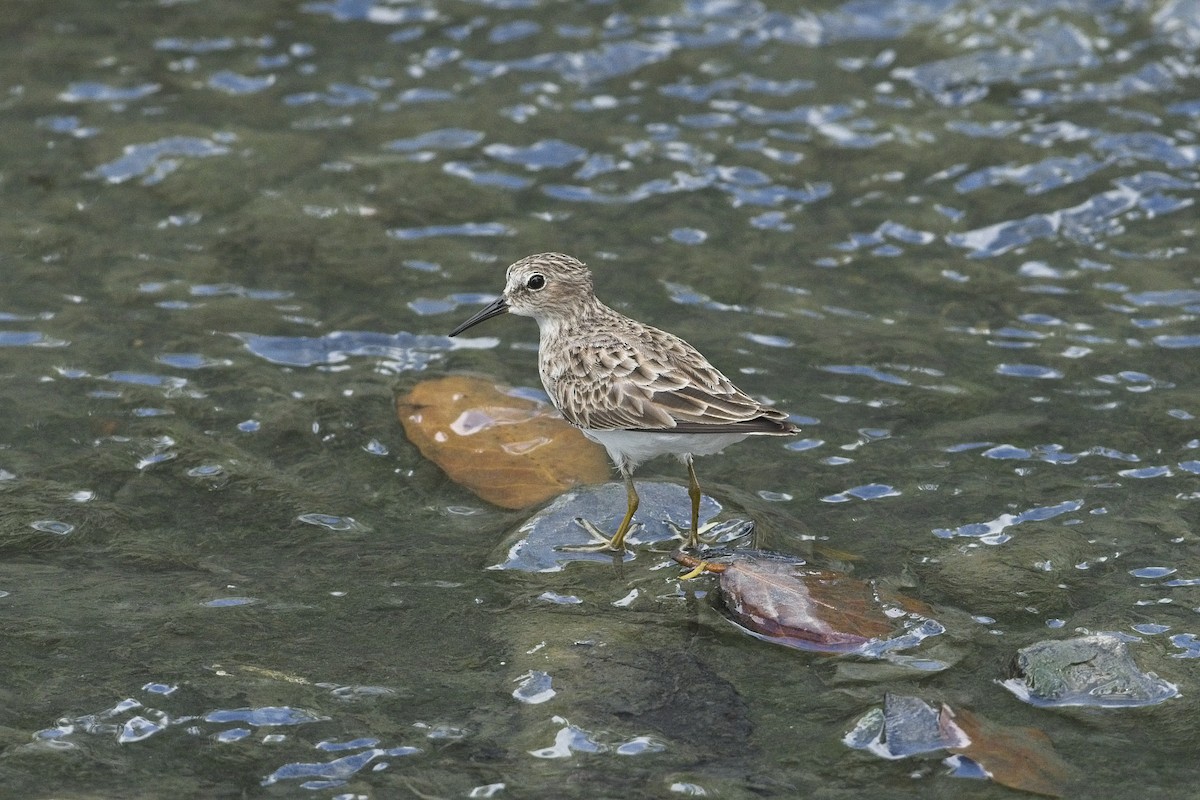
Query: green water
(955, 239)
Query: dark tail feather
(767, 425)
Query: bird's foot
(600, 543)
(691, 539)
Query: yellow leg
(694, 493)
(617, 542)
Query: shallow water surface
(954, 238)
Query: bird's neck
(554, 327)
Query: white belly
(627, 449)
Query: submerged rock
(511, 451)
(1095, 670)
(664, 511)
(904, 726)
(971, 745)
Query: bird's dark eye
(536, 281)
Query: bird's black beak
(494, 309)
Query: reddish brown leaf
(784, 600)
(1019, 758)
(510, 451)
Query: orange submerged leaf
(1019, 758)
(510, 451)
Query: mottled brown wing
(650, 380)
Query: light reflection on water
(954, 241)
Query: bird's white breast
(630, 448)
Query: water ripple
(1049, 46)
(725, 87)
(691, 236)
(30, 339)
(154, 161)
(331, 774)
(264, 715)
(866, 372)
(993, 531)
(1178, 342)
(870, 491)
(769, 341)
(67, 124)
(1047, 453)
(1028, 371)
(1188, 643)
(1171, 298)
(230, 602)
(94, 92)
(513, 31)
(544, 154)
(440, 139)
(370, 11)
(534, 688)
(1161, 471)
(464, 229)
(234, 83)
(196, 46)
(52, 526)
(1037, 178)
(570, 740)
(1149, 79)
(331, 522)
(430, 306)
(1152, 572)
(485, 177)
(191, 361)
(583, 67)
(338, 95)
(400, 352)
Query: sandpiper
(639, 391)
